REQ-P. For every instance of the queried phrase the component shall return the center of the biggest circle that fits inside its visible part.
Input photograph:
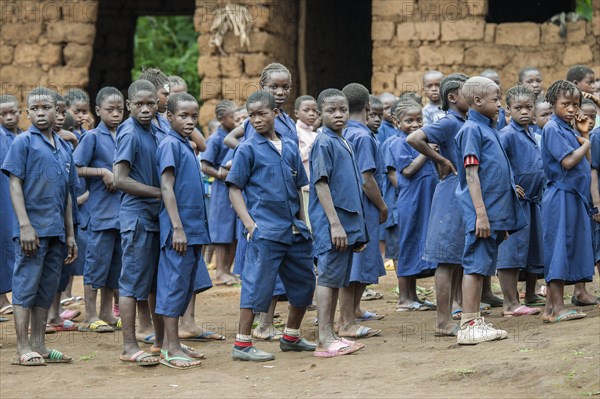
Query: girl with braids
(221, 216)
(277, 80)
(568, 257)
(523, 249)
(446, 232)
(417, 179)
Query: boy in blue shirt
(367, 266)
(431, 86)
(94, 160)
(337, 216)
(136, 176)
(268, 168)
(488, 200)
(183, 228)
(42, 172)
(387, 128)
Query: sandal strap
(55, 355)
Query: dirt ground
(406, 361)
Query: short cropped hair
(328, 93)
(76, 96)
(375, 101)
(177, 98)
(262, 96)
(578, 73)
(42, 91)
(357, 95)
(140, 85)
(106, 92)
(8, 99)
(301, 99)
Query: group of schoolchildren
(460, 189)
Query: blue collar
(149, 129)
(388, 124)
(360, 125)
(456, 114)
(260, 139)
(479, 117)
(560, 121)
(178, 136)
(102, 128)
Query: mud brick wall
(47, 43)
(273, 39)
(410, 37)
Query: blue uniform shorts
(481, 254)
(103, 258)
(265, 260)
(140, 261)
(36, 278)
(334, 268)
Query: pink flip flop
(338, 348)
(522, 311)
(69, 314)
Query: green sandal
(56, 357)
(166, 360)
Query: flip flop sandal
(69, 314)
(521, 311)
(98, 326)
(456, 314)
(414, 306)
(56, 356)
(368, 316)
(24, 360)
(66, 325)
(118, 326)
(568, 316)
(338, 348)
(167, 360)
(370, 295)
(3, 319)
(536, 302)
(363, 332)
(149, 339)
(438, 332)
(138, 358)
(158, 352)
(206, 337)
(577, 302)
(8, 309)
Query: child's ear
(452, 97)
(296, 113)
(276, 112)
(97, 110)
(368, 107)
(169, 116)
(128, 105)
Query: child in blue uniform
(523, 249)
(268, 168)
(502, 119)
(161, 83)
(135, 174)
(543, 110)
(94, 160)
(488, 200)
(183, 228)
(417, 179)
(531, 77)
(41, 172)
(367, 266)
(337, 216)
(446, 232)
(568, 255)
(431, 86)
(387, 128)
(221, 215)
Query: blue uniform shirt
(365, 147)
(137, 145)
(162, 124)
(558, 141)
(478, 137)
(501, 123)
(270, 182)
(97, 150)
(215, 148)
(332, 158)
(48, 173)
(525, 156)
(385, 131)
(442, 133)
(176, 152)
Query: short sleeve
(366, 153)
(15, 162)
(555, 142)
(84, 152)
(241, 167)
(438, 131)
(404, 156)
(470, 143)
(166, 157)
(596, 150)
(506, 141)
(126, 148)
(321, 160)
(213, 147)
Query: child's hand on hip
(520, 191)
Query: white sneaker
(479, 331)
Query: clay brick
(540, 59)
(6, 53)
(261, 16)
(477, 7)
(26, 54)
(428, 31)
(405, 31)
(77, 55)
(382, 81)
(210, 88)
(577, 54)
(238, 89)
(78, 32)
(208, 66)
(255, 63)
(596, 23)
(486, 56)
(518, 34)
(21, 32)
(409, 81)
(67, 76)
(550, 34)
(386, 8)
(490, 33)
(207, 112)
(80, 11)
(576, 31)
(394, 56)
(432, 57)
(231, 66)
(383, 30)
(19, 75)
(466, 29)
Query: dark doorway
(338, 44)
(115, 30)
(500, 11)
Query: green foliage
(169, 43)
(584, 8)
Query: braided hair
(156, 77)
(399, 108)
(561, 87)
(519, 91)
(223, 107)
(451, 84)
(272, 68)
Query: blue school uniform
(523, 249)
(413, 206)
(281, 243)
(385, 131)
(479, 138)
(102, 266)
(48, 173)
(138, 216)
(7, 255)
(390, 194)
(177, 275)
(446, 231)
(221, 216)
(595, 139)
(367, 265)
(332, 158)
(80, 222)
(284, 125)
(568, 254)
(432, 113)
(501, 122)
